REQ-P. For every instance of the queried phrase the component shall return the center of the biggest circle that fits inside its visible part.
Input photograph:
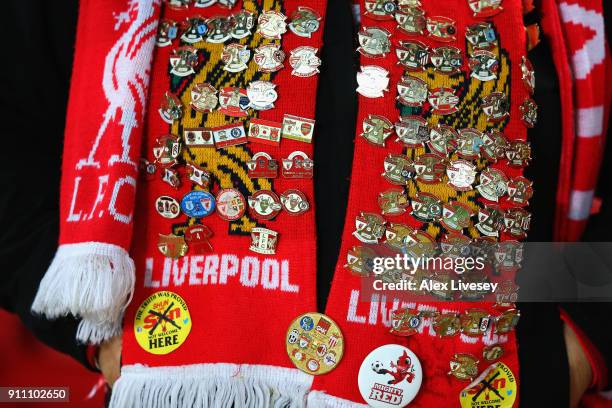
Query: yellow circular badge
(315, 343)
(162, 323)
(495, 387)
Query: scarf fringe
(319, 399)
(210, 386)
(93, 281)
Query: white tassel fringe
(210, 386)
(90, 280)
(319, 399)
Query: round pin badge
(314, 343)
(231, 204)
(162, 323)
(391, 375)
(294, 202)
(495, 387)
(167, 207)
(198, 204)
(265, 204)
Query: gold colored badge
(162, 323)
(314, 343)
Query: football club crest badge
(426, 207)
(485, 8)
(469, 143)
(496, 106)
(265, 131)
(233, 102)
(171, 177)
(493, 184)
(376, 129)
(304, 22)
(304, 61)
(269, 58)
(443, 101)
(231, 204)
(529, 112)
(463, 367)
(398, 169)
(372, 81)
(183, 61)
(263, 241)
(172, 246)
(380, 9)
(219, 30)
(369, 228)
(229, 135)
(520, 190)
(412, 131)
(167, 207)
(272, 24)
(243, 22)
(494, 145)
(447, 60)
(456, 216)
(198, 137)
(262, 95)
(461, 175)
(441, 28)
(264, 204)
(298, 166)
(297, 128)
(413, 55)
(166, 150)
(262, 165)
(194, 30)
(393, 202)
(197, 238)
(528, 74)
(517, 222)
(483, 65)
(171, 108)
(443, 140)
(360, 260)
(198, 204)
(294, 202)
(198, 175)
(411, 20)
(481, 36)
(374, 42)
(429, 168)
(204, 97)
(412, 91)
(167, 31)
(235, 57)
(490, 220)
(518, 154)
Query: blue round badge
(198, 204)
(306, 323)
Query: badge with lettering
(167, 207)
(443, 139)
(166, 150)
(372, 81)
(490, 220)
(475, 322)
(520, 190)
(507, 321)
(528, 74)
(481, 36)
(262, 165)
(413, 55)
(314, 343)
(380, 9)
(494, 145)
(198, 204)
(393, 202)
(204, 97)
(429, 168)
(198, 137)
(496, 386)
(376, 129)
(360, 260)
(265, 131)
(411, 20)
(167, 31)
(441, 28)
(231, 204)
(447, 60)
(297, 165)
(219, 30)
(518, 154)
(229, 135)
(390, 376)
(398, 236)
(171, 177)
(263, 241)
(508, 256)
(411, 91)
(447, 324)
(496, 106)
(183, 61)
(398, 169)
(194, 30)
(413, 131)
(198, 175)
(369, 228)
(455, 245)
(162, 323)
(517, 222)
(235, 57)
(233, 102)
(197, 237)
(171, 108)
(443, 101)
(269, 58)
(492, 352)
(426, 207)
(461, 175)
(172, 246)
(262, 95)
(469, 143)
(483, 65)
(294, 202)
(272, 24)
(264, 204)
(405, 322)
(374, 42)
(304, 21)
(485, 8)
(529, 112)
(456, 216)
(304, 61)
(297, 128)
(463, 366)
(244, 21)
(493, 184)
